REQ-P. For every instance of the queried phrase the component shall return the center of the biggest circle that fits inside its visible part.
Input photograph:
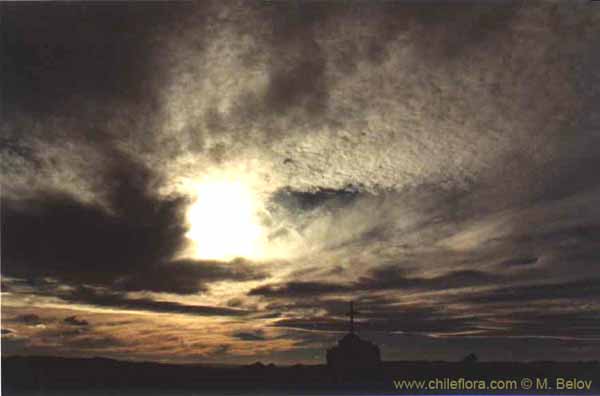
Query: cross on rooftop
(351, 313)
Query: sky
(213, 183)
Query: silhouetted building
(352, 355)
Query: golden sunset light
(297, 193)
(223, 221)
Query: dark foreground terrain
(98, 376)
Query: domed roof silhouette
(353, 355)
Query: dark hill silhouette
(24, 375)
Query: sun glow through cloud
(223, 221)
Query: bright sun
(223, 221)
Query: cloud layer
(434, 162)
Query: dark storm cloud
(519, 261)
(581, 324)
(297, 79)
(222, 349)
(28, 319)
(187, 276)
(390, 277)
(383, 278)
(483, 316)
(295, 66)
(376, 315)
(129, 245)
(299, 84)
(235, 302)
(58, 56)
(406, 320)
(333, 306)
(105, 342)
(257, 335)
(298, 76)
(78, 80)
(302, 72)
(585, 232)
(384, 316)
(308, 200)
(314, 324)
(62, 332)
(74, 321)
(298, 289)
(583, 289)
(458, 27)
(109, 299)
(63, 237)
